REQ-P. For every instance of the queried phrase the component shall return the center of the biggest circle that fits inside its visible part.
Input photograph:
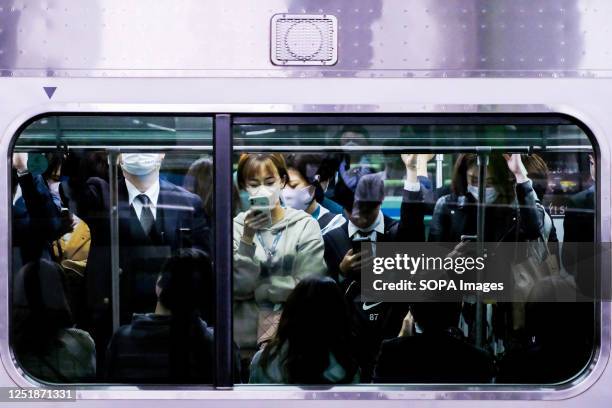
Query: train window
(316, 200)
(112, 222)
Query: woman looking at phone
(513, 213)
(274, 248)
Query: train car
(192, 189)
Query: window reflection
(362, 185)
(64, 208)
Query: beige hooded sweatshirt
(263, 279)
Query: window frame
(223, 150)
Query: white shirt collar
(322, 211)
(378, 226)
(152, 192)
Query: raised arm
(412, 212)
(532, 213)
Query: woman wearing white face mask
(512, 213)
(509, 196)
(274, 248)
(307, 173)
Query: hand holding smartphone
(261, 207)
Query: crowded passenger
(432, 350)
(173, 344)
(547, 244)
(313, 342)
(512, 213)
(555, 352)
(299, 317)
(37, 219)
(367, 225)
(537, 172)
(46, 343)
(309, 175)
(200, 178)
(274, 248)
(579, 228)
(508, 189)
(156, 217)
(353, 165)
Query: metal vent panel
(304, 39)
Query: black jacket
(180, 223)
(373, 322)
(36, 220)
(579, 234)
(456, 215)
(140, 352)
(433, 358)
(410, 228)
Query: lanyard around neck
(271, 251)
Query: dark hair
(353, 129)
(81, 165)
(41, 308)
(199, 180)
(55, 160)
(248, 161)
(185, 283)
(497, 169)
(314, 323)
(436, 316)
(313, 167)
(537, 171)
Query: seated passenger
(307, 174)
(173, 344)
(47, 345)
(313, 342)
(274, 248)
(375, 321)
(436, 353)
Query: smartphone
(363, 245)
(261, 204)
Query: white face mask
(272, 193)
(490, 193)
(298, 198)
(140, 164)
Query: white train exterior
(376, 57)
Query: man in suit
(156, 218)
(374, 322)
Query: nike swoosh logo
(368, 307)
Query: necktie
(146, 215)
